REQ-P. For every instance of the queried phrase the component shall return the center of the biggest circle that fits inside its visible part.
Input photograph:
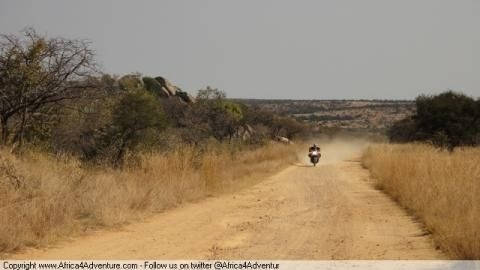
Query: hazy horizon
(370, 49)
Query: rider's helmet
(314, 145)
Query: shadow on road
(302, 165)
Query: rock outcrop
(165, 89)
(185, 96)
(155, 87)
(167, 86)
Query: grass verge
(43, 198)
(439, 187)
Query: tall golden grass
(43, 198)
(439, 187)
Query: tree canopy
(449, 119)
(35, 72)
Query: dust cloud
(334, 150)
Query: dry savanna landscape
(342, 208)
(327, 130)
(373, 115)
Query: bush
(402, 131)
(447, 120)
(130, 81)
(133, 117)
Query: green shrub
(133, 118)
(449, 119)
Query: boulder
(184, 96)
(164, 89)
(172, 89)
(155, 87)
(164, 92)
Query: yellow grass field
(44, 198)
(440, 188)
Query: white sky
(275, 49)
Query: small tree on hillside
(132, 117)
(210, 93)
(222, 116)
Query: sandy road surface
(327, 212)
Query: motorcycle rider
(312, 148)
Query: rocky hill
(159, 86)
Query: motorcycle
(314, 157)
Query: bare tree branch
(36, 71)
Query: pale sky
(336, 49)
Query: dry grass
(43, 198)
(441, 188)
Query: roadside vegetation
(435, 173)
(439, 187)
(44, 197)
(447, 120)
(81, 149)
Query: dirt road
(327, 212)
